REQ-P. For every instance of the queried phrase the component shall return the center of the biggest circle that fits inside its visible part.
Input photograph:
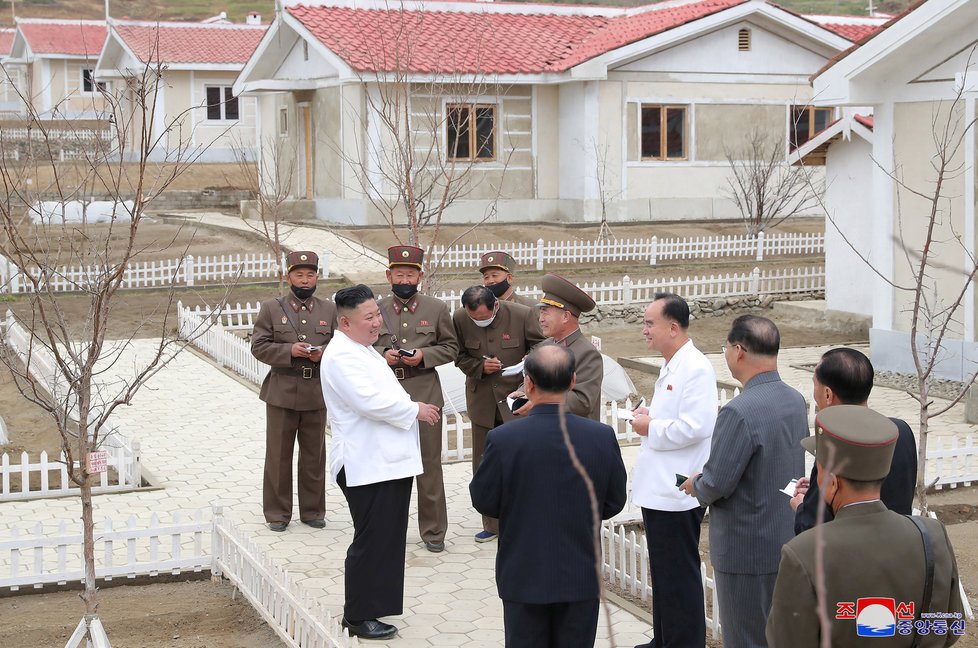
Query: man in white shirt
(676, 432)
(374, 456)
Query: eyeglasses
(724, 347)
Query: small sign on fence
(97, 462)
(596, 341)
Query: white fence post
(755, 281)
(654, 251)
(539, 254)
(217, 515)
(626, 290)
(760, 245)
(188, 269)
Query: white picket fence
(625, 561)
(651, 250)
(953, 462)
(296, 616)
(184, 271)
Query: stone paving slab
(202, 433)
(346, 256)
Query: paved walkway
(345, 255)
(202, 434)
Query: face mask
(499, 289)
(486, 322)
(303, 293)
(404, 291)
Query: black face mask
(499, 289)
(404, 291)
(303, 293)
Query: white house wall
(304, 62)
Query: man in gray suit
(755, 451)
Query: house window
(222, 105)
(743, 40)
(305, 50)
(470, 131)
(806, 122)
(283, 121)
(89, 84)
(663, 132)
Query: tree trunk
(90, 595)
(922, 448)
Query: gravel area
(938, 388)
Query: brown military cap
(302, 259)
(859, 440)
(560, 293)
(408, 255)
(497, 259)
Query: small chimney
(254, 18)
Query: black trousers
(551, 625)
(374, 574)
(678, 615)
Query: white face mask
(486, 322)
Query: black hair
(848, 373)
(755, 334)
(552, 372)
(475, 296)
(348, 299)
(674, 307)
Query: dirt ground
(196, 614)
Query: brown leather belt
(404, 373)
(306, 373)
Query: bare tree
(430, 141)
(764, 188)
(41, 241)
(271, 180)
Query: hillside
(238, 9)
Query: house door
(305, 156)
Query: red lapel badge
(424, 323)
(505, 336)
(668, 387)
(322, 322)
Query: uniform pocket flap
(510, 344)
(473, 344)
(424, 329)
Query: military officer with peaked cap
(560, 307)
(868, 551)
(290, 335)
(421, 324)
(493, 334)
(497, 270)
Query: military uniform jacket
(510, 337)
(585, 398)
(421, 323)
(868, 552)
(280, 324)
(529, 302)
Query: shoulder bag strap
(928, 573)
(289, 314)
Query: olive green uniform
(424, 323)
(585, 399)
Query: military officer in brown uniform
(560, 307)
(867, 551)
(290, 335)
(493, 334)
(423, 325)
(497, 275)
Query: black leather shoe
(434, 547)
(278, 526)
(315, 524)
(370, 629)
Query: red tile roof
(66, 37)
(850, 31)
(865, 120)
(490, 42)
(190, 42)
(6, 41)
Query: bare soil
(195, 614)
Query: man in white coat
(374, 456)
(676, 430)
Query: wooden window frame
(812, 112)
(472, 108)
(663, 147)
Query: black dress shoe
(278, 526)
(370, 629)
(434, 547)
(315, 524)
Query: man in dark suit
(844, 376)
(755, 451)
(529, 479)
(886, 578)
(493, 334)
(290, 335)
